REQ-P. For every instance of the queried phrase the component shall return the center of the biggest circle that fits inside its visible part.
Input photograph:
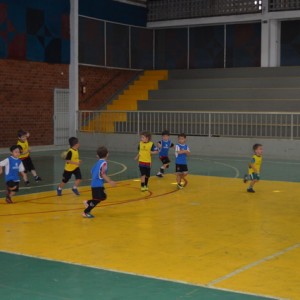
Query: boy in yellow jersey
(25, 155)
(254, 167)
(71, 167)
(146, 148)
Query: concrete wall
(206, 146)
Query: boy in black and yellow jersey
(146, 148)
(71, 167)
(254, 167)
(25, 155)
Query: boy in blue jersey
(13, 166)
(99, 176)
(181, 152)
(164, 145)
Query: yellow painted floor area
(211, 233)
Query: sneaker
(245, 178)
(75, 191)
(159, 175)
(87, 215)
(8, 199)
(26, 183)
(37, 178)
(250, 190)
(179, 186)
(146, 188)
(86, 204)
(143, 189)
(59, 192)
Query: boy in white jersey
(99, 176)
(181, 152)
(254, 167)
(13, 166)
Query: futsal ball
(63, 155)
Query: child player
(71, 167)
(182, 150)
(146, 148)
(25, 155)
(99, 176)
(164, 145)
(254, 167)
(13, 166)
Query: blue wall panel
(35, 30)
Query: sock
(162, 170)
(142, 184)
(92, 204)
(146, 181)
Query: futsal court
(211, 240)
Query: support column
(73, 69)
(270, 38)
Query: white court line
(143, 275)
(237, 172)
(124, 168)
(254, 264)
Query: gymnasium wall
(26, 99)
(114, 11)
(206, 146)
(103, 43)
(290, 43)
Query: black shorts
(165, 159)
(11, 184)
(145, 171)
(68, 174)
(181, 168)
(28, 164)
(98, 193)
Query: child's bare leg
(61, 185)
(77, 182)
(178, 178)
(184, 179)
(33, 172)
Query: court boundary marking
(254, 264)
(72, 181)
(144, 275)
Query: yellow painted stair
(139, 90)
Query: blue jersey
(181, 159)
(165, 146)
(13, 166)
(98, 169)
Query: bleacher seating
(240, 89)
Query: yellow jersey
(145, 152)
(25, 149)
(72, 155)
(256, 161)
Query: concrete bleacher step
(225, 93)
(249, 105)
(235, 72)
(257, 82)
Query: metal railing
(224, 124)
